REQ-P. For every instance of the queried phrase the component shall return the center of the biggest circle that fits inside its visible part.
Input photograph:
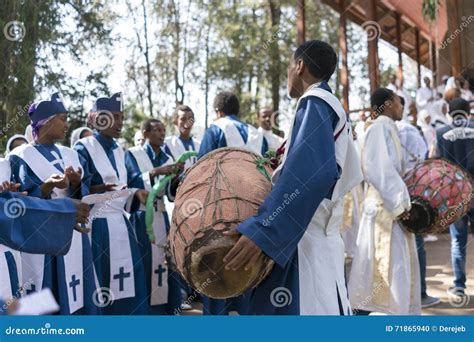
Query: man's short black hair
(182, 108)
(459, 105)
(319, 57)
(227, 102)
(146, 125)
(379, 98)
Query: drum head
(206, 271)
(422, 217)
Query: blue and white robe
(175, 146)
(163, 284)
(298, 224)
(115, 248)
(10, 259)
(230, 131)
(71, 276)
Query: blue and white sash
(122, 275)
(177, 148)
(159, 270)
(234, 138)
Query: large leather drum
(441, 193)
(218, 193)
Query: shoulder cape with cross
(156, 189)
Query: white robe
(385, 273)
(422, 96)
(274, 141)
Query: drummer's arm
(308, 176)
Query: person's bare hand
(57, 181)
(9, 186)
(162, 170)
(142, 195)
(99, 188)
(244, 253)
(83, 210)
(73, 176)
(178, 167)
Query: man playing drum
(298, 223)
(385, 274)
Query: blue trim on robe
(13, 272)
(138, 220)
(311, 169)
(214, 137)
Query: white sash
(177, 148)
(234, 139)
(5, 171)
(159, 269)
(122, 276)
(346, 154)
(144, 163)
(73, 260)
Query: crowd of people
(81, 228)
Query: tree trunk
(274, 52)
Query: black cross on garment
(31, 289)
(121, 276)
(160, 270)
(73, 284)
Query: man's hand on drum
(244, 253)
